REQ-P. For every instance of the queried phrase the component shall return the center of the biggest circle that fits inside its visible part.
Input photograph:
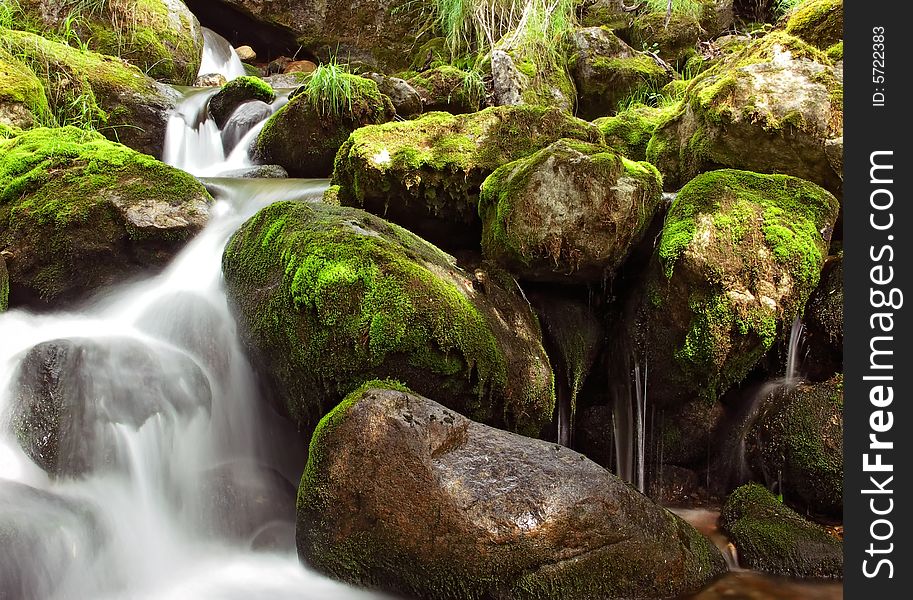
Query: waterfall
(153, 469)
(193, 140)
(629, 416)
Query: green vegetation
(330, 89)
(691, 8)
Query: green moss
(4, 286)
(20, 86)
(357, 298)
(734, 213)
(675, 42)
(818, 22)
(773, 538)
(630, 131)
(236, 92)
(445, 88)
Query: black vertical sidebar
(878, 263)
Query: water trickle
(219, 57)
(629, 420)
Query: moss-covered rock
(773, 538)
(235, 93)
(101, 92)
(674, 42)
(824, 324)
(161, 37)
(685, 434)
(520, 76)
(771, 109)
(568, 213)
(407, 100)
(717, 16)
(329, 297)
(797, 440)
(739, 255)
(607, 72)
(23, 103)
(630, 131)
(78, 212)
(447, 89)
(426, 174)
(818, 22)
(304, 135)
(403, 495)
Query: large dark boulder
(70, 394)
(404, 495)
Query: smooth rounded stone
(426, 174)
(739, 255)
(607, 72)
(70, 395)
(258, 172)
(796, 442)
(235, 93)
(43, 539)
(113, 97)
(773, 538)
(403, 495)
(241, 498)
(106, 215)
(770, 108)
(285, 81)
(210, 80)
(304, 135)
(327, 297)
(192, 323)
(246, 54)
(823, 320)
(569, 213)
(242, 120)
(406, 99)
(300, 66)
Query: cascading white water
(174, 480)
(193, 141)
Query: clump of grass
(330, 89)
(474, 27)
(691, 8)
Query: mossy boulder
(771, 109)
(773, 538)
(304, 135)
(161, 37)
(407, 100)
(522, 76)
(568, 213)
(717, 16)
(426, 174)
(101, 92)
(448, 89)
(78, 212)
(68, 393)
(797, 440)
(235, 93)
(23, 103)
(824, 324)
(607, 72)
(4, 285)
(630, 131)
(739, 255)
(674, 42)
(403, 495)
(818, 22)
(686, 433)
(328, 297)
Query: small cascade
(791, 378)
(193, 140)
(219, 57)
(707, 522)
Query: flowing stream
(176, 480)
(164, 490)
